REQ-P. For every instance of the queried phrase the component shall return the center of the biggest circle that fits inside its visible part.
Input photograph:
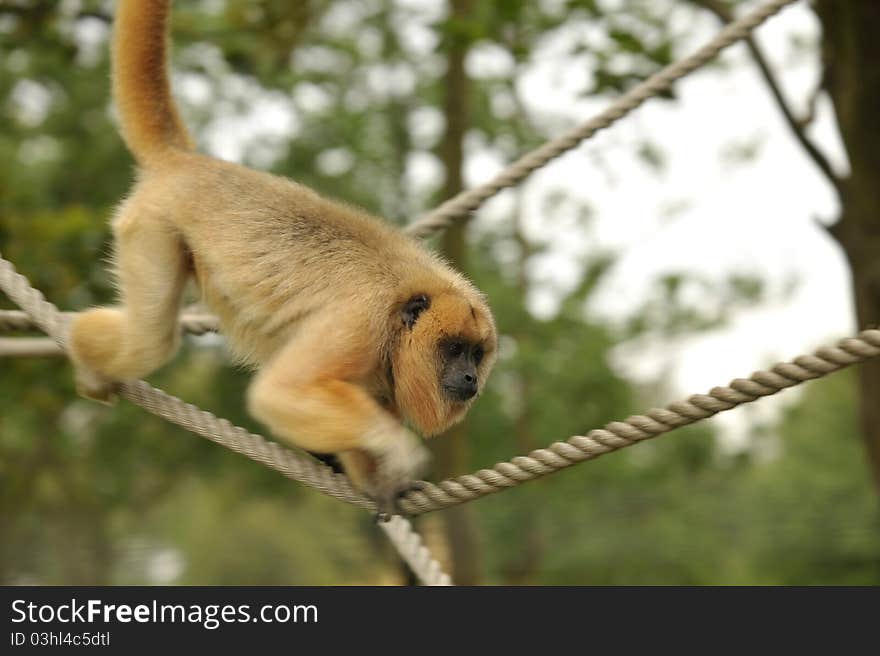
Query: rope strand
(192, 323)
(657, 421)
(415, 553)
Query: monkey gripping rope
(47, 317)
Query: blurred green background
(97, 495)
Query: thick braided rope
(41, 313)
(620, 434)
(415, 553)
(256, 447)
(192, 323)
(466, 202)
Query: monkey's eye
(478, 354)
(455, 349)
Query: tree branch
(722, 12)
(810, 115)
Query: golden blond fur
(315, 295)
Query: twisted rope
(192, 323)
(29, 347)
(621, 434)
(466, 202)
(415, 553)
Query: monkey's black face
(458, 377)
(445, 352)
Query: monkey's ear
(413, 308)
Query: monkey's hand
(400, 458)
(389, 461)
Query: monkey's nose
(466, 387)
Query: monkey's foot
(95, 336)
(94, 386)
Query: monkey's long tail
(151, 125)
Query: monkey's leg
(141, 334)
(306, 397)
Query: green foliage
(679, 305)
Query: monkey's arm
(312, 394)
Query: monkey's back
(269, 253)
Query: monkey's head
(446, 348)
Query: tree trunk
(851, 55)
(524, 567)
(451, 450)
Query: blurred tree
(851, 75)
(850, 53)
